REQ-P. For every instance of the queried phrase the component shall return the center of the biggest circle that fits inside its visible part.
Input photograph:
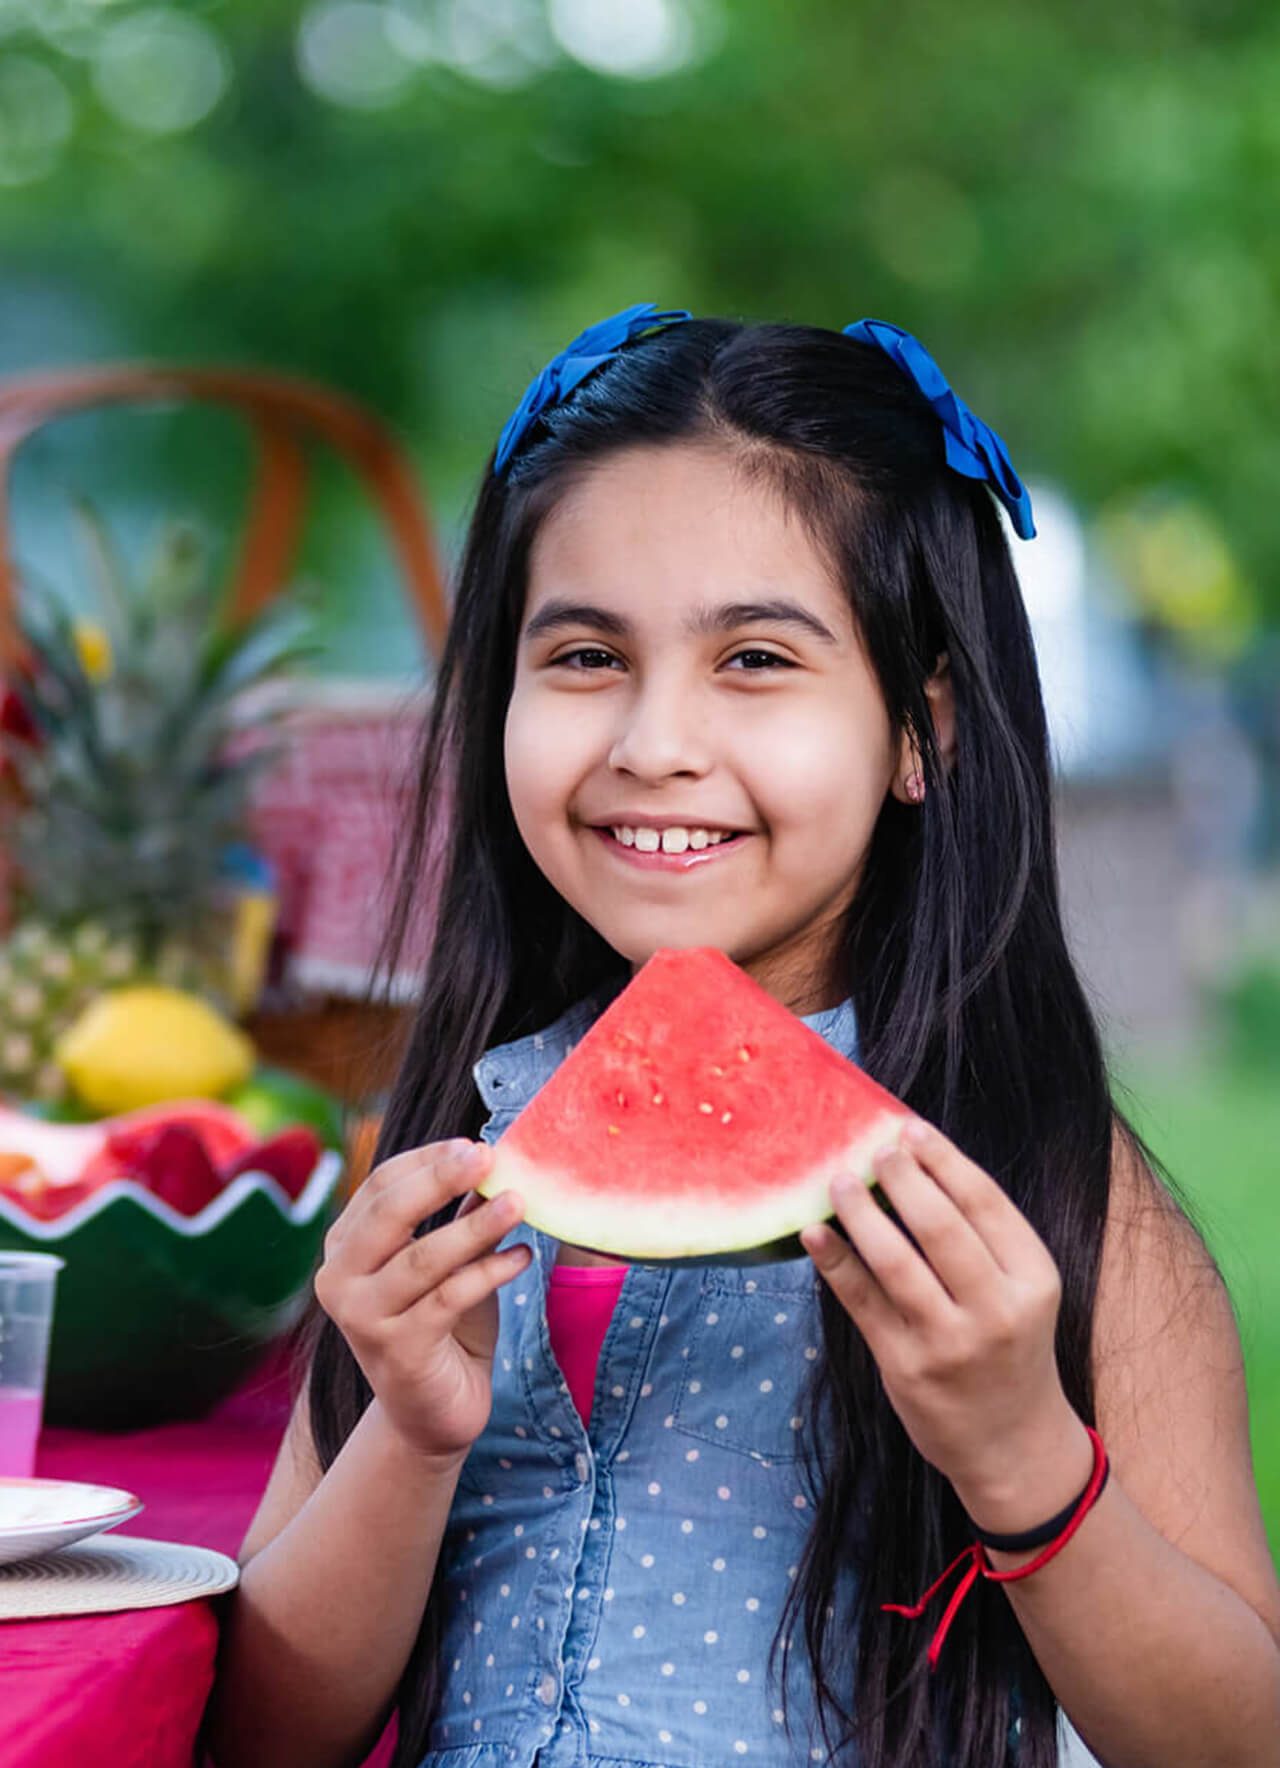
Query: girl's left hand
(963, 1335)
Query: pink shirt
(580, 1304)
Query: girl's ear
(908, 779)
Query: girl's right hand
(421, 1315)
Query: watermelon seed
(621, 1097)
(715, 1070)
(744, 1054)
(614, 1130)
(705, 1107)
(726, 1117)
(657, 1098)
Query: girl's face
(696, 745)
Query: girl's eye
(578, 659)
(758, 658)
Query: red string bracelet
(982, 1567)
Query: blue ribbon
(972, 448)
(571, 367)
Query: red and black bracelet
(1052, 1536)
(1048, 1531)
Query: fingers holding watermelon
(447, 1262)
(420, 1311)
(398, 1194)
(959, 1306)
(854, 1285)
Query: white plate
(40, 1515)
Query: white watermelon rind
(649, 1227)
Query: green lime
(272, 1099)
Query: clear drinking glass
(27, 1281)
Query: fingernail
(916, 1133)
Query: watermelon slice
(697, 1118)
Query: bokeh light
(1178, 564)
(36, 119)
(641, 40)
(502, 43)
(346, 53)
(69, 26)
(160, 71)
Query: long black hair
(953, 952)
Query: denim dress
(613, 1590)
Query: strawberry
(171, 1162)
(289, 1157)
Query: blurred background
(413, 203)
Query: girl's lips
(668, 862)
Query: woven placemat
(104, 1575)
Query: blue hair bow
(972, 448)
(571, 367)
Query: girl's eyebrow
(555, 614)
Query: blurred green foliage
(1248, 1006)
(1216, 1126)
(1074, 208)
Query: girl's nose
(660, 735)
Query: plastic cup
(27, 1281)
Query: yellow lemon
(140, 1046)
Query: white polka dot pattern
(611, 1594)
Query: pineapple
(126, 804)
(45, 981)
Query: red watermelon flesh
(697, 1116)
(289, 1157)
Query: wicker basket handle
(282, 410)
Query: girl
(738, 658)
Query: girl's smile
(671, 847)
(697, 748)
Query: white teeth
(674, 840)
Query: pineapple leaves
(147, 746)
(58, 695)
(237, 657)
(105, 568)
(229, 662)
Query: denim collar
(510, 1074)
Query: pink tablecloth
(128, 1690)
